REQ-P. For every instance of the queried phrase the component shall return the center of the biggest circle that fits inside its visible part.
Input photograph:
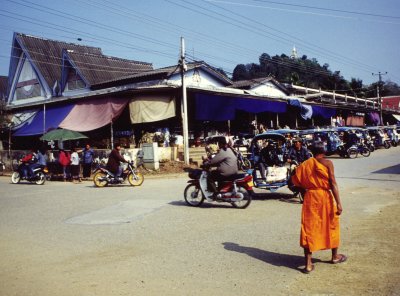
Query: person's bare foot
(308, 269)
(339, 258)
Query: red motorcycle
(237, 190)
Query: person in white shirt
(75, 167)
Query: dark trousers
(87, 170)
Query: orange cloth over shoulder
(319, 223)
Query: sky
(359, 38)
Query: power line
(240, 25)
(329, 9)
(306, 44)
(158, 22)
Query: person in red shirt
(64, 159)
(27, 160)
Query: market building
(53, 84)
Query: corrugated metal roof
(3, 86)
(46, 54)
(162, 73)
(100, 68)
(250, 83)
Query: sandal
(343, 258)
(306, 271)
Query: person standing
(75, 168)
(64, 158)
(320, 229)
(88, 154)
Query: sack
(195, 174)
(276, 174)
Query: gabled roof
(98, 68)
(3, 86)
(164, 73)
(47, 57)
(46, 54)
(251, 83)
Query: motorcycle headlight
(46, 170)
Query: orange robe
(319, 222)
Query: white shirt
(74, 158)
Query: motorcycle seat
(234, 177)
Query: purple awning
(222, 108)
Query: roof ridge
(106, 56)
(57, 41)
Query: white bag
(276, 174)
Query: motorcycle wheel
(365, 152)
(244, 203)
(352, 153)
(40, 178)
(386, 144)
(394, 143)
(246, 164)
(371, 148)
(100, 180)
(193, 195)
(136, 179)
(15, 178)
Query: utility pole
(379, 94)
(184, 104)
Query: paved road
(75, 239)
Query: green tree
(240, 73)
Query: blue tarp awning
(309, 111)
(222, 108)
(38, 126)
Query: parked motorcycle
(22, 173)
(370, 145)
(2, 168)
(244, 163)
(236, 191)
(362, 149)
(102, 177)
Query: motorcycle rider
(40, 161)
(298, 152)
(26, 161)
(113, 163)
(225, 161)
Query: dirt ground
(44, 254)
(373, 266)
(169, 167)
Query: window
(28, 85)
(74, 81)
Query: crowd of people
(69, 161)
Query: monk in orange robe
(321, 208)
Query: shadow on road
(276, 259)
(395, 169)
(284, 197)
(370, 179)
(206, 205)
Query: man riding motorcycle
(225, 161)
(114, 159)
